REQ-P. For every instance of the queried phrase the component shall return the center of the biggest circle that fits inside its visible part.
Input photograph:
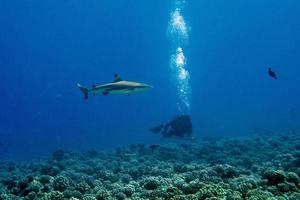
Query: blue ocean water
(46, 47)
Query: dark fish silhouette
(154, 146)
(180, 126)
(271, 73)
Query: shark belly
(122, 91)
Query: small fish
(271, 73)
(193, 139)
(154, 146)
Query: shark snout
(148, 87)
(143, 88)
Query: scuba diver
(179, 127)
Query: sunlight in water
(178, 33)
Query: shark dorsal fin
(117, 78)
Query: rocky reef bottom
(260, 168)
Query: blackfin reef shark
(118, 86)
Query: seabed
(258, 168)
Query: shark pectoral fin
(105, 92)
(128, 91)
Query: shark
(118, 86)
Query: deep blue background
(46, 47)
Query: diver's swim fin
(84, 90)
(157, 129)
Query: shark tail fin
(84, 90)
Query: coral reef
(261, 168)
